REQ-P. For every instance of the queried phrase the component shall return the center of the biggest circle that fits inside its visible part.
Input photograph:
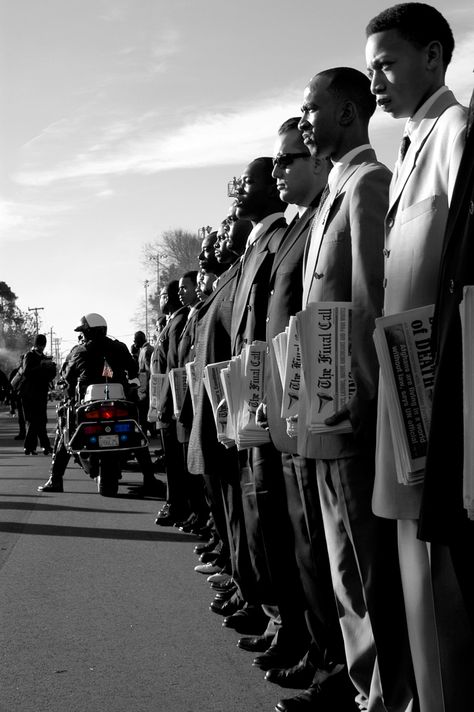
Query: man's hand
(292, 426)
(339, 416)
(261, 416)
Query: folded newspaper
(403, 345)
(192, 382)
(466, 310)
(178, 382)
(288, 357)
(324, 330)
(243, 386)
(158, 384)
(215, 391)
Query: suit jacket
(349, 267)
(212, 344)
(186, 355)
(443, 516)
(285, 291)
(250, 301)
(415, 225)
(165, 356)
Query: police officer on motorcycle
(94, 361)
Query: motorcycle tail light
(91, 429)
(106, 413)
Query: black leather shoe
(224, 586)
(246, 621)
(224, 595)
(209, 556)
(275, 657)
(51, 486)
(335, 693)
(166, 516)
(207, 546)
(30, 452)
(297, 677)
(256, 644)
(226, 608)
(47, 451)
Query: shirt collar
(261, 227)
(414, 121)
(339, 165)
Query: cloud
(135, 146)
(27, 220)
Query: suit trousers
(279, 547)
(312, 559)
(366, 579)
(175, 471)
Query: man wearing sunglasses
(300, 180)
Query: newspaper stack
(215, 391)
(324, 330)
(243, 384)
(158, 384)
(288, 357)
(466, 309)
(178, 382)
(403, 345)
(191, 381)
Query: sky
(121, 119)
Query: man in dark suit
(164, 358)
(220, 465)
(268, 526)
(443, 518)
(300, 179)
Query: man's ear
(347, 113)
(434, 54)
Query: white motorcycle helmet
(94, 323)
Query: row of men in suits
(330, 570)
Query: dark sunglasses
(283, 160)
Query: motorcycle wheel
(108, 477)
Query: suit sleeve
(368, 207)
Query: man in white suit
(408, 49)
(344, 262)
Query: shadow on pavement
(92, 532)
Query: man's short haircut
(417, 23)
(266, 165)
(349, 83)
(289, 125)
(40, 340)
(191, 275)
(172, 288)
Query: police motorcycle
(101, 431)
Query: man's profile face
(319, 124)
(253, 193)
(186, 291)
(295, 180)
(207, 257)
(398, 73)
(164, 300)
(223, 254)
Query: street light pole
(146, 284)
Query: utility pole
(146, 284)
(36, 310)
(51, 333)
(156, 258)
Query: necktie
(404, 147)
(470, 116)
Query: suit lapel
(423, 132)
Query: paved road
(101, 611)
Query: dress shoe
(298, 677)
(30, 452)
(225, 595)
(226, 608)
(246, 621)
(228, 585)
(209, 568)
(51, 486)
(208, 546)
(334, 692)
(47, 451)
(219, 578)
(275, 657)
(256, 644)
(166, 517)
(209, 556)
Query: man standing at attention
(344, 262)
(408, 49)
